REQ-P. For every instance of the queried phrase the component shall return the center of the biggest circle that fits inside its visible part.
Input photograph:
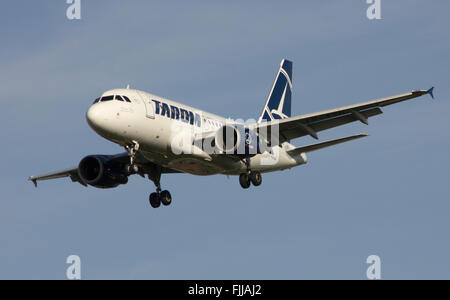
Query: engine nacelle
(99, 171)
(238, 140)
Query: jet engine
(237, 139)
(100, 172)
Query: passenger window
(107, 98)
(118, 97)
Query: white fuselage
(166, 130)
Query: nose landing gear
(154, 174)
(132, 149)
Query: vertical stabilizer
(278, 103)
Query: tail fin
(278, 104)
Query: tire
(154, 200)
(166, 198)
(256, 178)
(244, 180)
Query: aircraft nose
(95, 117)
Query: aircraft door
(149, 105)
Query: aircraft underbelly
(194, 166)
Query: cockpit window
(107, 98)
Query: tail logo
(278, 104)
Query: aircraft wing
(120, 159)
(72, 173)
(310, 124)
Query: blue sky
(387, 194)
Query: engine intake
(100, 172)
(237, 139)
(227, 138)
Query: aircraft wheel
(256, 178)
(155, 200)
(244, 180)
(166, 198)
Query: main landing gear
(245, 179)
(159, 197)
(250, 177)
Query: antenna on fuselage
(128, 86)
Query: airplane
(161, 136)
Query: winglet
(430, 92)
(34, 180)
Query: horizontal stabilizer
(318, 146)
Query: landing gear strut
(132, 149)
(159, 197)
